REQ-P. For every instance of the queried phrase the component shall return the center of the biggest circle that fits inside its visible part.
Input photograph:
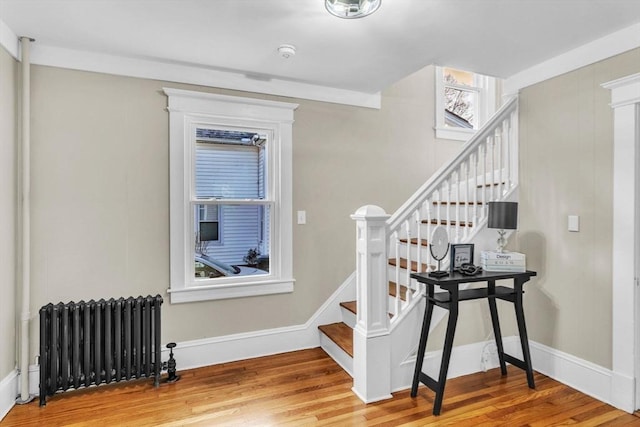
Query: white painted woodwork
(493, 151)
(188, 110)
(625, 100)
(371, 342)
(382, 346)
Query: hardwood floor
(309, 388)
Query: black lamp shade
(503, 215)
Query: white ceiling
(495, 37)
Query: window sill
(215, 292)
(455, 134)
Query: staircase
(456, 198)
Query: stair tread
(352, 306)
(403, 264)
(445, 222)
(414, 241)
(341, 334)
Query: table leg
(423, 341)
(446, 352)
(522, 329)
(496, 326)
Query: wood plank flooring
(307, 388)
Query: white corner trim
(8, 393)
(187, 73)
(9, 40)
(597, 50)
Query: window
(207, 225)
(464, 101)
(230, 196)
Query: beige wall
(566, 148)
(100, 193)
(8, 202)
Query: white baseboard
(8, 393)
(586, 377)
(210, 351)
(465, 360)
(228, 348)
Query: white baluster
(514, 147)
(500, 163)
(485, 152)
(397, 274)
(466, 199)
(435, 197)
(506, 126)
(418, 219)
(448, 196)
(493, 166)
(407, 227)
(439, 207)
(457, 175)
(476, 198)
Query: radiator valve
(171, 365)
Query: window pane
(243, 243)
(458, 77)
(460, 108)
(226, 170)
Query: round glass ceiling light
(350, 9)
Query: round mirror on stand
(439, 247)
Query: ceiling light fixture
(286, 51)
(350, 9)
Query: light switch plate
(574, 223)
(302, 217)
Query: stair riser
(348, 317)
(337, 354)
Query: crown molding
(181, 73)
(52, 56)
(605, 47)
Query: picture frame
(461, 253)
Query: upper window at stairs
(464, 101)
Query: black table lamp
(503, 216)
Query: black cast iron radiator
(95, 342)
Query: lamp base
(501, 241)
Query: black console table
(449, 300)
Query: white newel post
(371, 341)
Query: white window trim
(187, 108)
(486, 89)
